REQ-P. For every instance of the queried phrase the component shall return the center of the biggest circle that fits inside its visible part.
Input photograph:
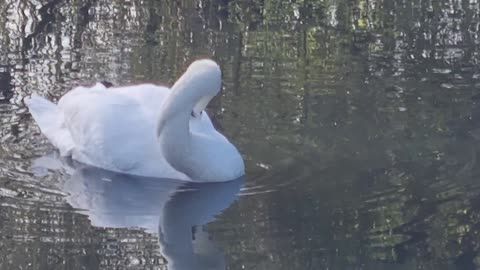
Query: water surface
(358, 121)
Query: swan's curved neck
(192, 91)
(175, 138)
(173, 129)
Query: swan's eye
(192, 114)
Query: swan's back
(113, 128)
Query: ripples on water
(358, 121)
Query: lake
(358, 122)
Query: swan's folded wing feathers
(102, 124)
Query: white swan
(143, 130)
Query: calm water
(359, 122)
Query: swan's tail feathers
(50, 120)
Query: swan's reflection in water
(175, 209)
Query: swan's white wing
(148, 95)
(108, 128)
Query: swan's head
(198, 85)
(190, 94)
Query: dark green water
(358, 120)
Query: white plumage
(143, 129)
